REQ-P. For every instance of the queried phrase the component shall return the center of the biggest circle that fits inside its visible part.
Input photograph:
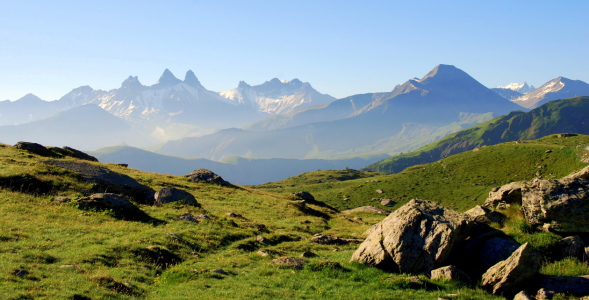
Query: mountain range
(276, 119)
(413, 111)
(558, 88)
(559, 116)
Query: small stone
(308, 254)
(289, 262)
(379, 191)
(20, 273)
(263, 253)
(523, 296)
(544, 294)
(261, 239)
(233, 215)
(61, 199)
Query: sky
(341, 47)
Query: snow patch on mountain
(518, 87)
(277, 96)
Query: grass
(459, 181)
(58, 251)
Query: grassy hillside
(558, 116)
(459, 181)
(51, 250)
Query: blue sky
(341, 47)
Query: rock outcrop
(507, 277)
(510, 193)
(416, 238)
(561, 204)
(557, 205)
(104, 179)
(205, 175)
(483, 215)
(368, 209)
(172, 194)
(53, 151)
(332, 240)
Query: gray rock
(68, 151)
(387, 202)
(483, 215)
(191, 218)
(508, 194)
(573, 246)
(204, 175)
(510, 276)
(560, 203)
(575, 285)
(289, 262)
(544, 294)
(450, 273)
(523, 295)
(261, 239)
(416, 238)
(104, 179)
(307, 254)
(172, 194)
(61, 199)
(104, 201)
(379, 191)
(496, 250)
(34, 148)
(368, 209)
(303, 196)
(331, 240)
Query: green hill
(60, 250)
(459, 181)
(559, 116)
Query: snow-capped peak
(518, 87)
(277, 96)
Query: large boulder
(104, 179)
(115, 204)
(575, 285)
(573, 246)
(510, 193)
(417, 238)
(68, 151)
(303, 196)
(33, 148)
(172, 194)
(484, 215)
(510, 276)
(563, 205)
(204, 175)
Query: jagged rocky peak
(131, 82)
(168, 79)
(191, 79)
(243, 85)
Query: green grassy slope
(558, 116)
(459, 181)
(57, 251)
